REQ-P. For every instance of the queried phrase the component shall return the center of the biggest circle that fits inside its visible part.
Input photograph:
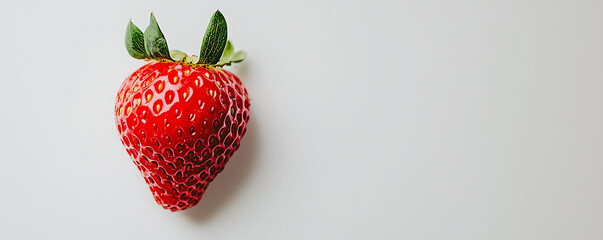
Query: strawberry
(181, 117)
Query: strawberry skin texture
(180, 124)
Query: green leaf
(177, 55)
(229, 56)
(228, 50)
(192, 59)
(214, 41)
(135, 42)
(238, 57)
(154, 42)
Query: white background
(370, 120)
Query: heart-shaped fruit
(181, 117)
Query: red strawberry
(180, 118)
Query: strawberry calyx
(216, 50)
